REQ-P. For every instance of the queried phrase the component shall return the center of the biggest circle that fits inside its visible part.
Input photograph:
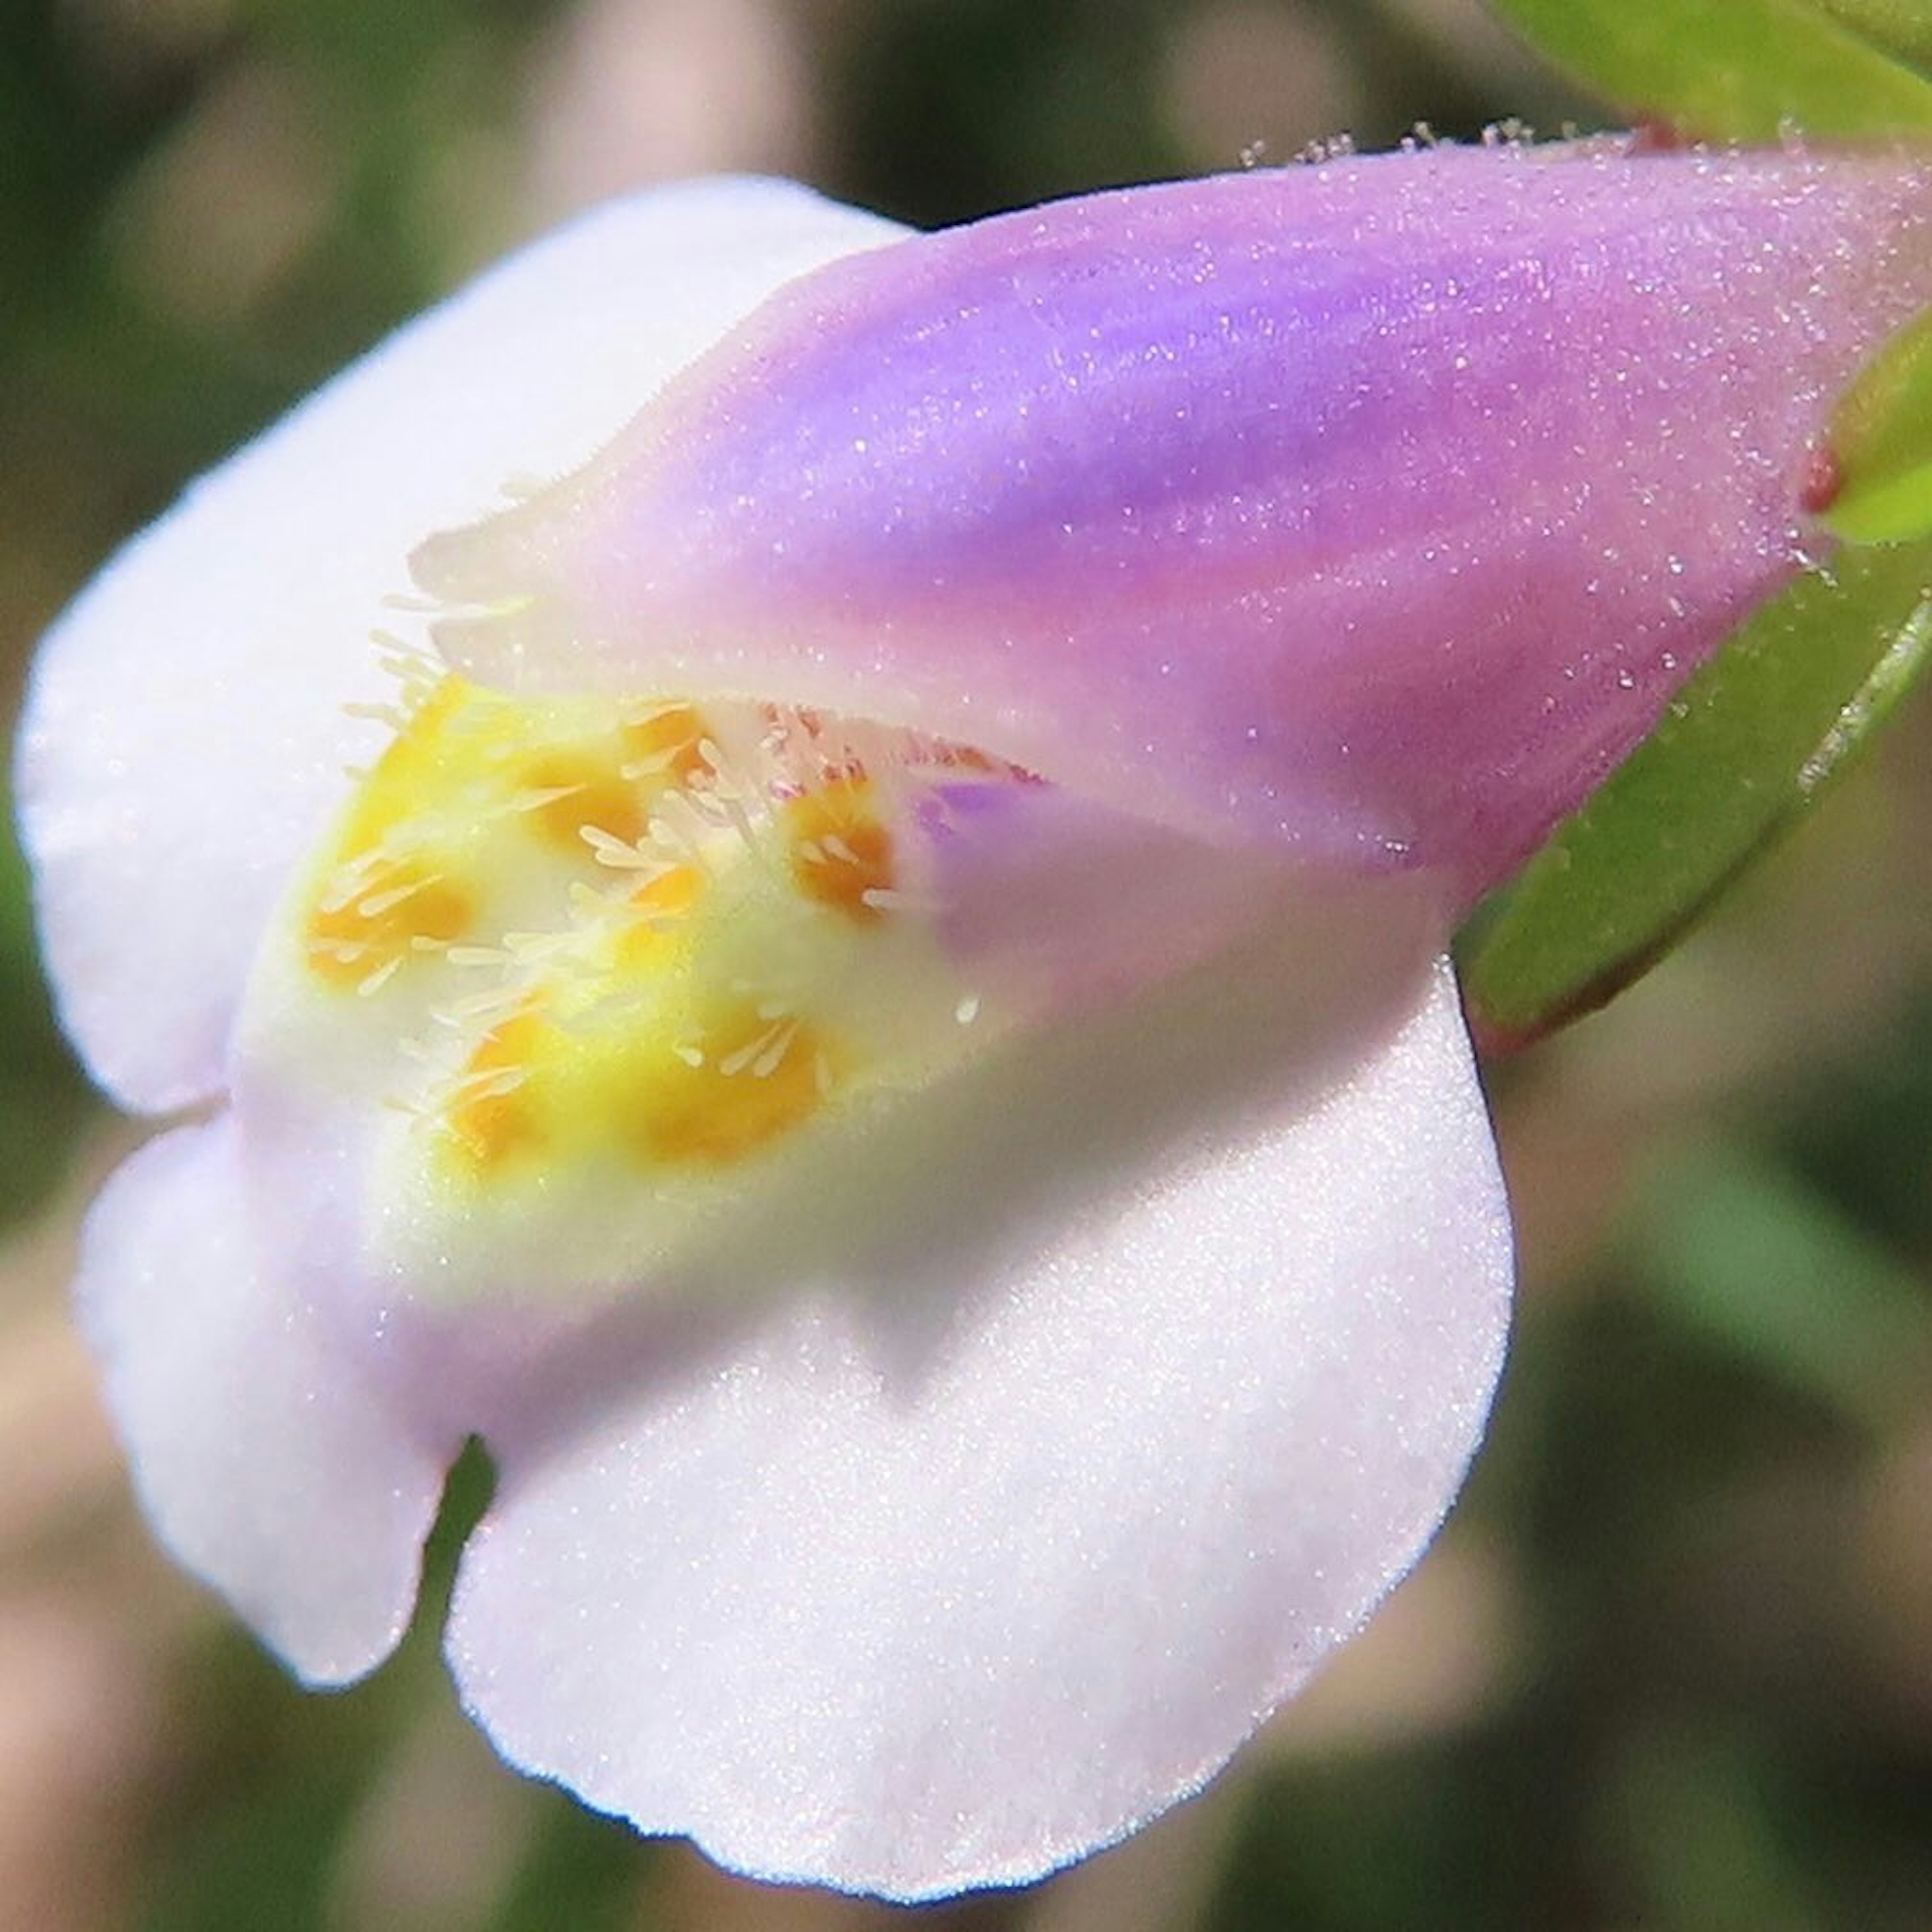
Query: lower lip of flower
(601, 964)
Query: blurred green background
(1671, 1665)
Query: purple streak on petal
(1378, 506)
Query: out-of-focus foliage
(1703, 1485)
(1902, 27)
(1881, 443)
(1750, 743)
(1749, 70)
(1669, 1667)
(41, 1098)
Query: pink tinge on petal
(1150, 1362)
(265, 1458)
(185, 738)
(1052, 905)
(1377, 506)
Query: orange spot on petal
(590, 792)
(662, 905)
(758, 1080)
(492, 1118)
(668, 743)
(396, 904)
(841, 850)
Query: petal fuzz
(1005, 1531)
(185, 736)
(266, 1462)
(1374, 509)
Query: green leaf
(1902, 27)
(1880, 438)
(1747, 70)
(1752, 739)
(1742, 1252)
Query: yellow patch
(451, 722)
(659, 910)
(616, 952)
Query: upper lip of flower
(1313, 464)
(1095, 1402)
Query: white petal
(1081, 1441)
(265, 1460)
(185, 735)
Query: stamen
(625, 945)
(626, 855)
(380, 978)
(477, 955)
(768, 1062)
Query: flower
(870, 1013)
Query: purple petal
(1376, 506)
